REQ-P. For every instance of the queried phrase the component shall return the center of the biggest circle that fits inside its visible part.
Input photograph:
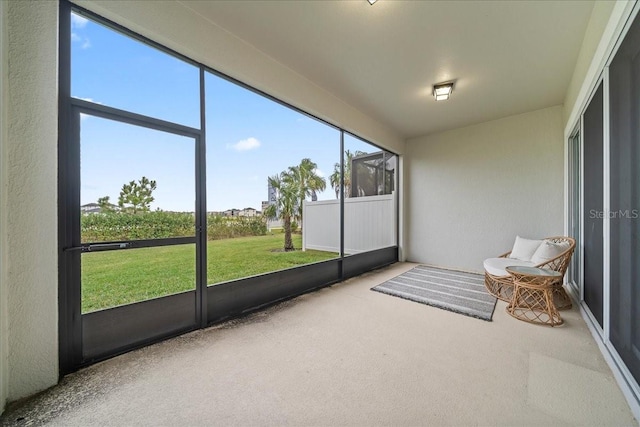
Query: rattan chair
(501, 287)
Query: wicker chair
(501, 287)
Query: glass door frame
(73, 343)
(599, 325)
(574, 205)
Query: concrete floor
(347, 356)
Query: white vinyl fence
(369, 223)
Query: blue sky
(248, 136)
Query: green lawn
(122, 277)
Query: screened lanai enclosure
(162, 148)
(373, 174)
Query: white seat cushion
(523, 249)
(497, 266)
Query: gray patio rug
(451, 290)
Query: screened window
(624, 217)
(271, 185)
(370, 208)
(111, 68)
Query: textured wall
(595, 29)
(31, 204)
(4, 378)
(471, 190)
(181, 29)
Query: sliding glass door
(624, 216)
(604, 206)
(593, 212)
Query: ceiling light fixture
(442, 91)
(371, 2)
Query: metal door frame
(83, 346)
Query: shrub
(222, 227)
(114, 226)
(130, 226)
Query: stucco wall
(178, 27)
(3, 212)
(470, 191)
(607, 21)
(30, 203)
(597, 23)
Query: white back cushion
(523, 249)
(548, 250)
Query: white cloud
(86, 43)
(245, 144)
(78, 21)
(319, 173)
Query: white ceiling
(508, 57)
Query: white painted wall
(470, 191)
(4, 373)
(369, 223)
(597, 22)
(176, 26)
(605, 26)
(29, 198)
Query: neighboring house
(90, 208)
(95, 208)
(231, 212)
(248, 212)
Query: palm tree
(285, 205)
(334, 179)
(292, 187)
(306, 180)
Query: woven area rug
(455, 291)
